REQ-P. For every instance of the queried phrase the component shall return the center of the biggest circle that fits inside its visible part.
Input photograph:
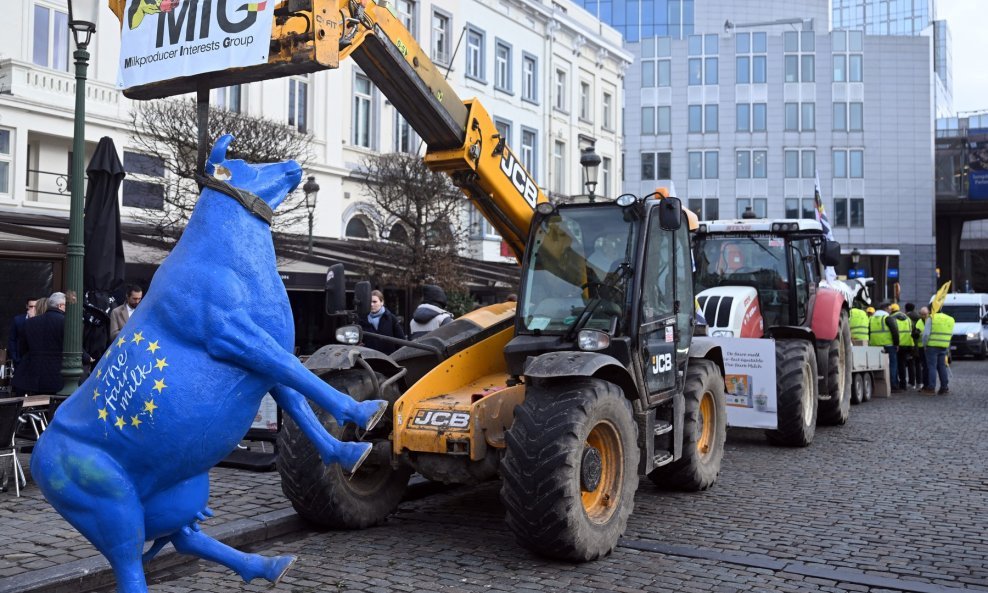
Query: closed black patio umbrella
(103, 268)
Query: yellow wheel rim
(600, 503)
(706, 421)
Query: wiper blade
(763, 248)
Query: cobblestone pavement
(893, 501)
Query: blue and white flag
(821, 216)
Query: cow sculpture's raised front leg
(349, 454)
(236, 338)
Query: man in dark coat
(40, 348)
(16, 327)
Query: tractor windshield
(756, 261)
(578, 269)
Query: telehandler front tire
(570, 471)
(796, 385)
(326, 495)
(836, 410)
(704, 432)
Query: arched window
(398, 234)
(357, 228)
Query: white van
(970, 313)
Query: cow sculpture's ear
(218, 154)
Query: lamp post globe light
(590, 161)
(311, 191)
(83, 15)
(855, 260)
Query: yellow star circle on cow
(149, 407)
(159, 384)
(102, 414)
(138, 336)
(135, 421)
(153, 346)
(119, 423)
(161, 363)
(121, 341)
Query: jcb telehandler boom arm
(461, 138)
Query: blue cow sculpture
(126, 457)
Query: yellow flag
(939, 297)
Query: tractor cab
(771, 267)
(613, 280)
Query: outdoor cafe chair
(10, 412)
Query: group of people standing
(917, 343)
(429, 315)
(36, 338)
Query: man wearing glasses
(16, 328)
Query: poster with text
(749, 378)
(267, 415)
(166, 39)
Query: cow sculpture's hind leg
(89, 489)
(349, 454)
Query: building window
(405, 138)
(751, 58)
(648, 74)
(528, 148)
(607, 110)
(854, 68)
(475, 54)
(710, 71)
(648, 120)
(840, 117)
(759, 167)
(839, 164)
(800, 208)
(792, 117)
(751, 164)
(711, 164)
(711, 117)
(440, 37)
(502, 66)
(855, 117)
(695, 70)
(656, 165)
(228, 98)
(743, 70)
(792, 164)
(856, 164)
(792, 207)
(530, 77)
(857, 212)
(362, 124)
(664, 68)
(664, 117)
(743, 117)
(840, 212)
(298, 103)
(559, 164)
(586, 106)
(605, 176)
(358, 228)
(560, 102)
(799, 59)
(807, 117)
(808, 164)
(504, 129)
(406, 14)
(695, 123)
(6, 159)
(695, 165)
(840, 68)
(743, 164)
(51, 38)
(144, 186)
(759, 117)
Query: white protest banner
(166, 39)
(749, 375)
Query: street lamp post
(82, 22)
(311, 191)
(855, 259)
(590, 161)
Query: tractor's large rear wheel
(570, 471)
(325, 494)
(704, 432)
(835, 411)
(796, 385)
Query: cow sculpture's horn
(218, 154)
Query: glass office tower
(637, 19)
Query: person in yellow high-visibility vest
(936, 338)
(907, 374)
(859, 324)
(884, 331)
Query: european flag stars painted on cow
(129, 381)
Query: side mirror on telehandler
(670, 214)
(335, 290)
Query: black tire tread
(540, 485)
(323, 494)
(790, 357)
(836, 410)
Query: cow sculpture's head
(271, 182)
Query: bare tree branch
(168, 130)
(428, 207)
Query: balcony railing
(48, 186)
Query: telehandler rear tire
(570, 471)
(326, 495)
(796, 384)
(704, 432)
(836, 410)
